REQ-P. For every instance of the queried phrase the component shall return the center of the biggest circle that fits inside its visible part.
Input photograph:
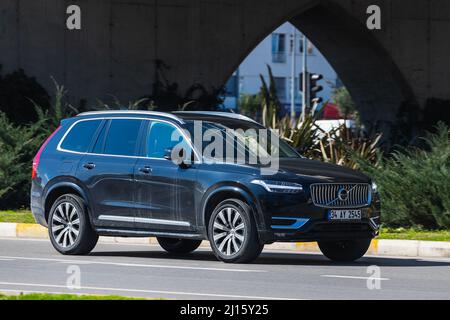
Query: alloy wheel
(65, 224)
(229, 231)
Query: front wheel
(178, 245)
(344, 251)
(232, 232)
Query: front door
(157, 189)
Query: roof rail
(142, 112)
(218, 113)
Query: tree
(341, 97)
(17, 93)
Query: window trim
(58, 148)
(105, 127)
(146, 135)
(89, 146)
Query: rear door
(108, 173)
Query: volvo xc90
(113, 173)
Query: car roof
(212, 114)
(131, 113)
(178, 116)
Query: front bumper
(323, 230)
(303, 221)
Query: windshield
(237, 139)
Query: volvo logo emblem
(342, 194)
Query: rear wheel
(69, 227)
(344, 251)
(174, 245)
(232, 232)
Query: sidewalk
(405, 248)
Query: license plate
(344, 214)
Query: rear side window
(80, 136)
(122, 137)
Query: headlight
(374, 187)
(279, 186)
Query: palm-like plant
(339, 146)
(302, 135)
(270, 102)
(343, 147)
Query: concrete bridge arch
(403, 64)
(371, 76)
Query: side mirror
(180, 158)
(168, 153)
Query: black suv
(118, 173)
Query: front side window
(122, 137)
(162, 137)
(246, 136)
(80, 136)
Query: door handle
(146, 170)
(89, 165)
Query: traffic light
(314, 88)
(310, 88)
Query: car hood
(317, 171)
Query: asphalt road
(147, 271)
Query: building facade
(276, 51)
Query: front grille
(340, 195)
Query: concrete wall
(204, 41)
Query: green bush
(18, 145)
(414, 184)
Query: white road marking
(146, 291)
(6, 259)
(100, 242)
(351, 277)
(72, 262)
(24, 239)
(121, 264)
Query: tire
(180, 246)
(344, 251)
(232, 232)
(79, 238)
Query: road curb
(404, 248)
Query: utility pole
(304, 79)
(293, 60)
(238, 89)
